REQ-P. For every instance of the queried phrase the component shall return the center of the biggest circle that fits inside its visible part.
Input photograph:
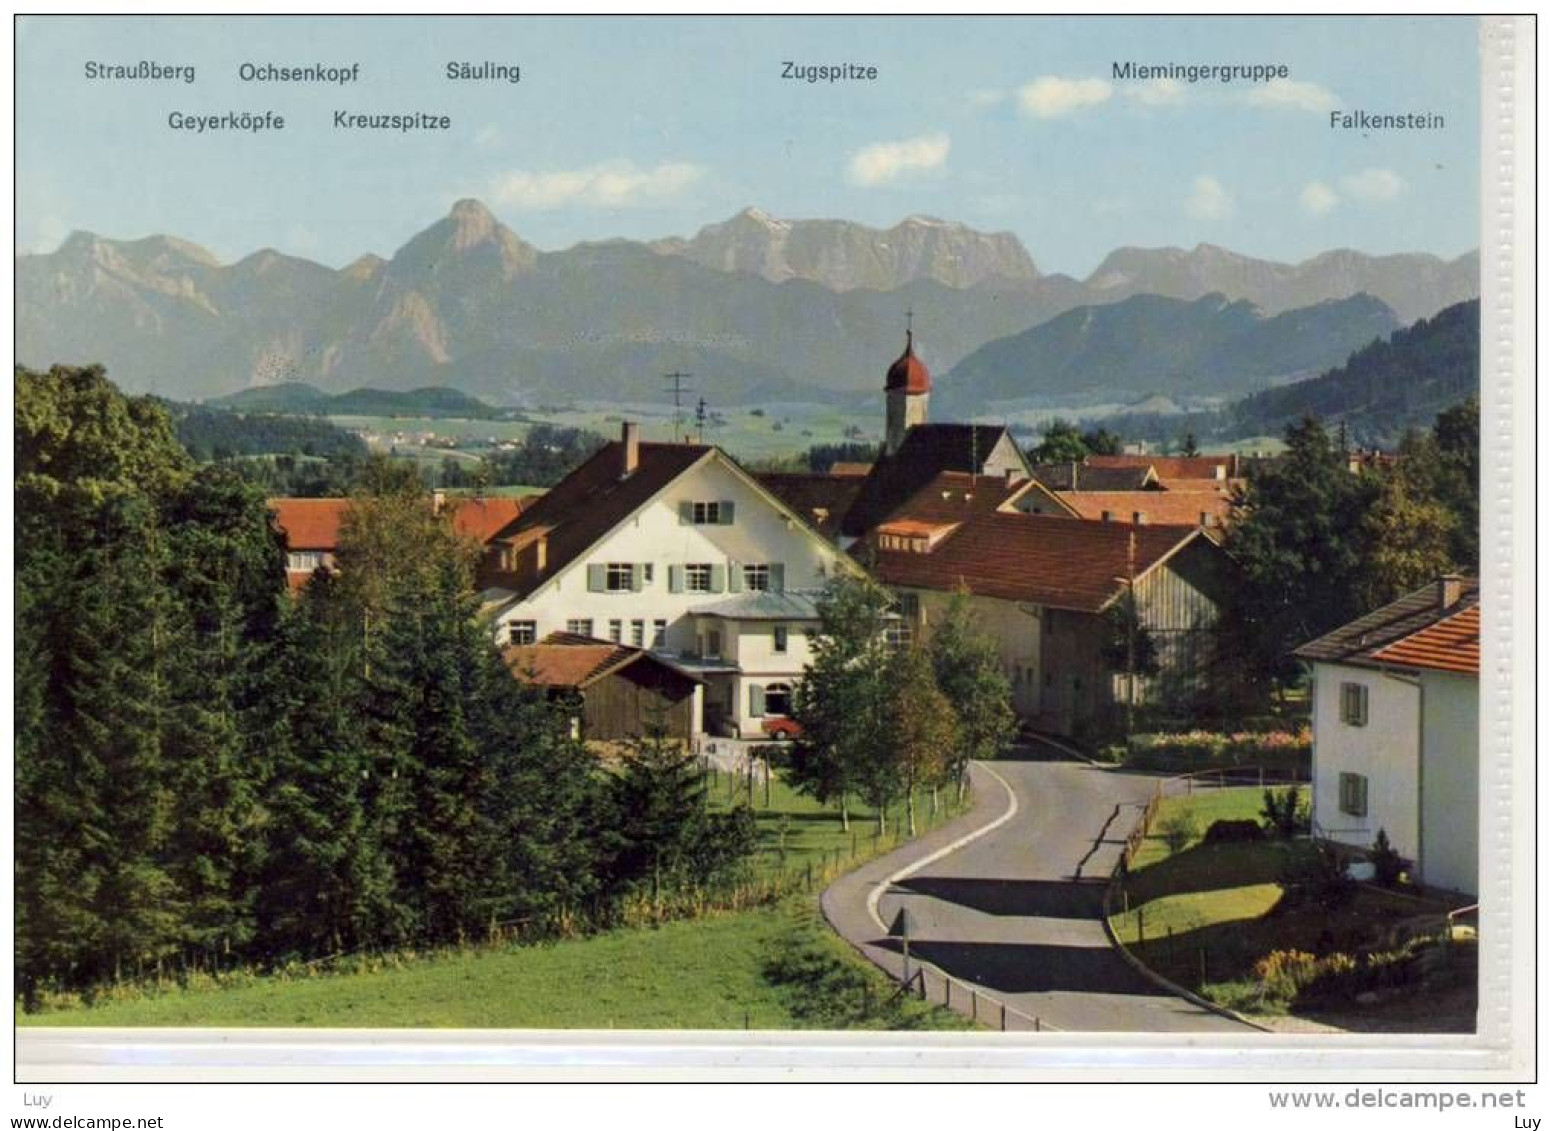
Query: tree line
(210, 771)
(1317, 544)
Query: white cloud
(987, 98)
(1156, 92)
(887, 160)
(1318, 198)
(613, 184)
(1292, 94)
(1373, 186)
(1053, 97)
(1208, 200)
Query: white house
(1396, 714)
(675, 548)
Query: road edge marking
(881, 886)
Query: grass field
(1204, 915)
(773, 967)
(796, 832)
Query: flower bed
(1278, 752)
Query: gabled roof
(482, 518)
(1170, 508)
(1451, 645)
(928, 450)
(1172, 467)
(314, 524)
(1362, 641)
(1073, 476)
(1059, 563)
(563, 659)
(951, 496)
(310, 524)
(594, 499)
(822, 500)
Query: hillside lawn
(705, 973)
(1202, 917)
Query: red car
(782, 729)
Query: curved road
(1017, 911)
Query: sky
(649, 127)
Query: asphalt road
(1017, 911)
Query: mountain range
(1209, 347)
(755, 308)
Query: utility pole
(678, 385)
(1130, 631)
(700, 415)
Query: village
(660, 587)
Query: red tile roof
(310, 524)
(1060, 563)
(483, 518)
(313, 524)
(1365, 641)
(1176, 508)
(563, 659)
(1171, 467)
(1453, 644)
(564, 665)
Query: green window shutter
(734, 577)
(724, 512)
(637, 577)
(718, 578)
(597, 578)
(675, 579)
(756, 700)
(778, 577)
(686, 513)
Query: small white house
(1396, 715)
(673, 548)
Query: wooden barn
(617, 691)
(1052, 593)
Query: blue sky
(649, 127)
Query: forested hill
(1384, 388)
(301, 398)
(216, 434)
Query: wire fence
(930, 984)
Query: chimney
(1109, 516)
(438, 501)
(1074, 475)
(541, 555)
(1140, 518)
(1220, 471)
(1450, 590)
(630, 449)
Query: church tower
(908, 387)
